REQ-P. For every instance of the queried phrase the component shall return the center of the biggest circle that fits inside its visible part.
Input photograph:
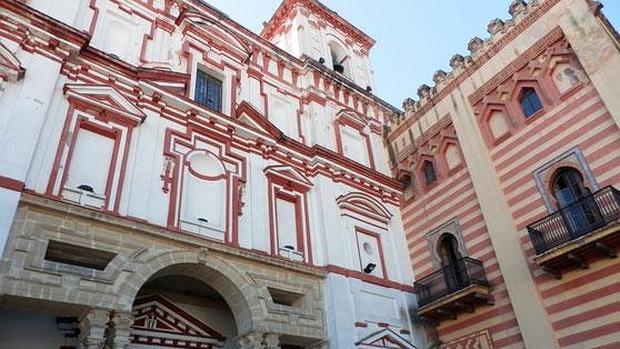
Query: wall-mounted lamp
(370, 268)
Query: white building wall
(28, 149)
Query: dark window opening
(430, 176)
(281, 297)
(208, 91)
(85, 257)
(530, 102)
(578, 207)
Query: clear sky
(415, 38)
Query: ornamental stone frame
(451, 227)
(572, 158)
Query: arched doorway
(579, 210)
(451, 261)
(177, 311)
(206, 276)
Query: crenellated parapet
(480, 50)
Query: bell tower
(307, 28)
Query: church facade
(170, 179)
(510, 162)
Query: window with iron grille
(208, 91)
(530, 102)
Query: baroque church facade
(170, 179)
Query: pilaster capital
(252, 340)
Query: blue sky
(414, 37)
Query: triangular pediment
(288, 173)
(249, 116)
(10, 67)
(385, 339)
(157, 317)
(105, 97)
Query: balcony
(452, 290)
(573, 235)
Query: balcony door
(452, 265)
(578, 207)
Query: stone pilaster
(253, 340)
(93, 328)
(272, 341)
(121, 329)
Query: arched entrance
(177, 311)
(201, 291)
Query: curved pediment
(218, 34)
(10, 67)
(364, 207)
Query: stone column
(253, 340)
(272, 341)
(120, 329)
(93, 328)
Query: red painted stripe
(487, 315)
(447, 204)
(586, 316)
(525, 178)
(584, 298)
(614, 345)
(508, 341)
(11, 184)
(590, 334)
(548, 150)
(580, 281)
(572, 106)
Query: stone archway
(239, 292)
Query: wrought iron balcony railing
(571, 222)
(450, 279)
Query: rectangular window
(89, 169)
(208, 91)
(288, 228)
(370, 253)
(354, 145)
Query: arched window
(568, 186)
(430, 175)
(339, 58)
(449, 250)
(579, 209)
(454, 271)
(530, 102)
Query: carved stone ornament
(409, 105)
(475, 44)
(496, 26)
(440, 76)
(424, 91)
(517, 7)
(457, 61)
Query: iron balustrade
(576, 220)
(450, 279)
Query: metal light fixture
(370, 268)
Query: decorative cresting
(10, 67)
(523, 14)
(239, 291)
(384, 339)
